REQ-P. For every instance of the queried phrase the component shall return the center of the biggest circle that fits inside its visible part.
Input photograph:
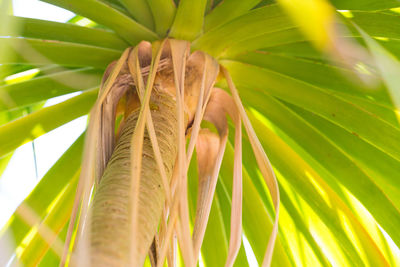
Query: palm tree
(318, 81)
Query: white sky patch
(393, 246)
(21, 76)
(17, 181)
(40, 10)
(59, 99)
(51, 146)
(346, 13)
(249, 252)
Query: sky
(40, 10)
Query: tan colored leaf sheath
(264, 165)
(110, 218)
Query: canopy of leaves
(324, 102)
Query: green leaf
(5, 117)
(23, 130)
(285, 234)
(100, 12)
(270, 39)
(9, 115)
(55, 220)
(341, 166)
(43, 195)
(324, 76)
(215, 244)
(257, 223)
(301, 226)
(188, 21)
(140, 11)
(298, 48)
(51, 259)
(40, 52)
(48, 86)
(10, 69)
(316, 19)
(388, 67)
(391, 45)
(365, 4)
(341, 112)
(209, 6)
(291, 36)
(259, 21)
(226, 11)
(4, 162)
(67, 32)
(299, 220)
(384, 111)
(320, 197)
(163, 14)
(5, 10)
(224, 203)
(116, 4)
(383, 168)
(378, 24)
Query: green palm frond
(332, 136)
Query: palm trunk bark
(110, 217)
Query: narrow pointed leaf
(67, 32)
(21, 131)
(315, 18)
(223, 199)
(215, 243)
(326, 76)
(226, 11)
(331, 157)
(376, 100)
(283, 156)
(256, 22)
(163, 14)
(377, 24)
(256, 220)
(324, 103)
(43, 195)
(100, 12)
(5, 117)
(51, 258)
(383, 169)
(385, 112)
(270, 39)
(298, 219)
(48, 86)
(188, 21)
(388, 66)
(55, 221)
(10, 69)
(140, 10)
(299, 48)
(365, 5)
(40, 52)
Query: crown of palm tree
(319, 81)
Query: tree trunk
(110, 217)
